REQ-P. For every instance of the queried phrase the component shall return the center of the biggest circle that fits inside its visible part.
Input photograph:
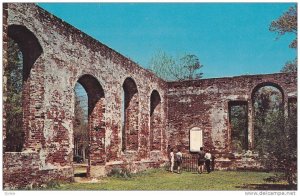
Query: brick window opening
(268, 114)
(155, 121)
(96, 120)
(238, 124)
(130, 111)
(23, 50)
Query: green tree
(267, 101)
(275, 135)
(279, 150)
(14, 112)
(287, 23)
(290, 66)
(186, 67)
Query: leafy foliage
(186, 67)
(287, 23)
(290, 66)
(14, 111)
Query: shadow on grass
(268, 187)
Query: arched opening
(155, 121)
(81, 134)
(89, 122)
(23, 50)
(130, 111)
(268, 114)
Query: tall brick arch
(96, 119)
(69, 55)
(130, 130)
(32, 90)
(251, 112)
(155, 121)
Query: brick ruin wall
(205, 104)
(69, 56)
(158, 114)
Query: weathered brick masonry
(62, 56)
(157, 114)
(205, 104)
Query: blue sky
(230, 39)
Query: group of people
(204, 158)
(178, 160)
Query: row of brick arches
(31, 50)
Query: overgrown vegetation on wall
(275, 134)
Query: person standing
(207, 161)
(178, 160)
(171, 160)
(201, 160)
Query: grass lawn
(157, 179)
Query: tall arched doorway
(23, 51)
(95, 121)
(130, 112)
(268, 114)
(155, 121)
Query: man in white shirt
(207, 161)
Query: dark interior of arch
(130, 89)
(154, 101)
(131, 111)
(155, 121)
(29, 45)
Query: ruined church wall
(67, 55)
(204, 104)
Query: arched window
(130, 111)
(155, 121)
(23, 50)
(95, 116)
(268, 113)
